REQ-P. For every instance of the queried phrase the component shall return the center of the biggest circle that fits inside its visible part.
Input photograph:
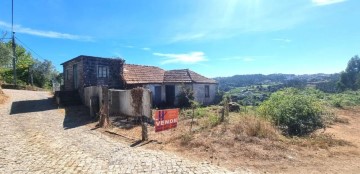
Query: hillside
(228, 83)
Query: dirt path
(37, 137)
(337, 159)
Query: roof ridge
(188, 73)
(144, 66)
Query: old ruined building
(167, 85)
(84, 71)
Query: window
(67, 74)
(207, 91)
(103, 71)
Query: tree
(43, 73)
(24, 58)
(5, 53)
(350, 79)
(23, 62)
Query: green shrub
(294, 112)
(211, 120)
(200, 112)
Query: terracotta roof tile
(199, 78)
(175, 76)
(138, 74)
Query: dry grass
(341, 120)
(3, 97)
(252, 126)
(322, 141)
(251, 141)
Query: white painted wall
(120, 101)
(199, 93)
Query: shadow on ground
(76, 116)
(125, 122)
(20, 107)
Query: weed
(323, 141)
(341, 120)
(211, 121)
(255, 127)
(186, 138)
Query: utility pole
(13, 40)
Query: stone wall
(87, 69)
(113, 80)
(69, 74)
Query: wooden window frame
(102, 71)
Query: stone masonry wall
(113, 80)
(69, 74)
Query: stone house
(83, 71)
(167, 85)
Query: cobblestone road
(37, 138)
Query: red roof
(139, 74)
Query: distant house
(166, 85)
(84, 71)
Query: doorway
(75, 77)
(157, 97)
(170, 94)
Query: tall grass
(253, 126)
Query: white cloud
(146, 49)
(48, 34)
(282, 40)
(189, 58)
(326, 2)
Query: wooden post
(192, 119)
(222, 112)
(104, 111)
(144, 132)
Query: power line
(29, 48)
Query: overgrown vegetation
(293, 112)
(252, 126)
(185, 97)
(29, 70)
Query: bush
(293, 111)
(210, 121)
(185, 97)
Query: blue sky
(212, 37)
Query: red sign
(166, 119)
